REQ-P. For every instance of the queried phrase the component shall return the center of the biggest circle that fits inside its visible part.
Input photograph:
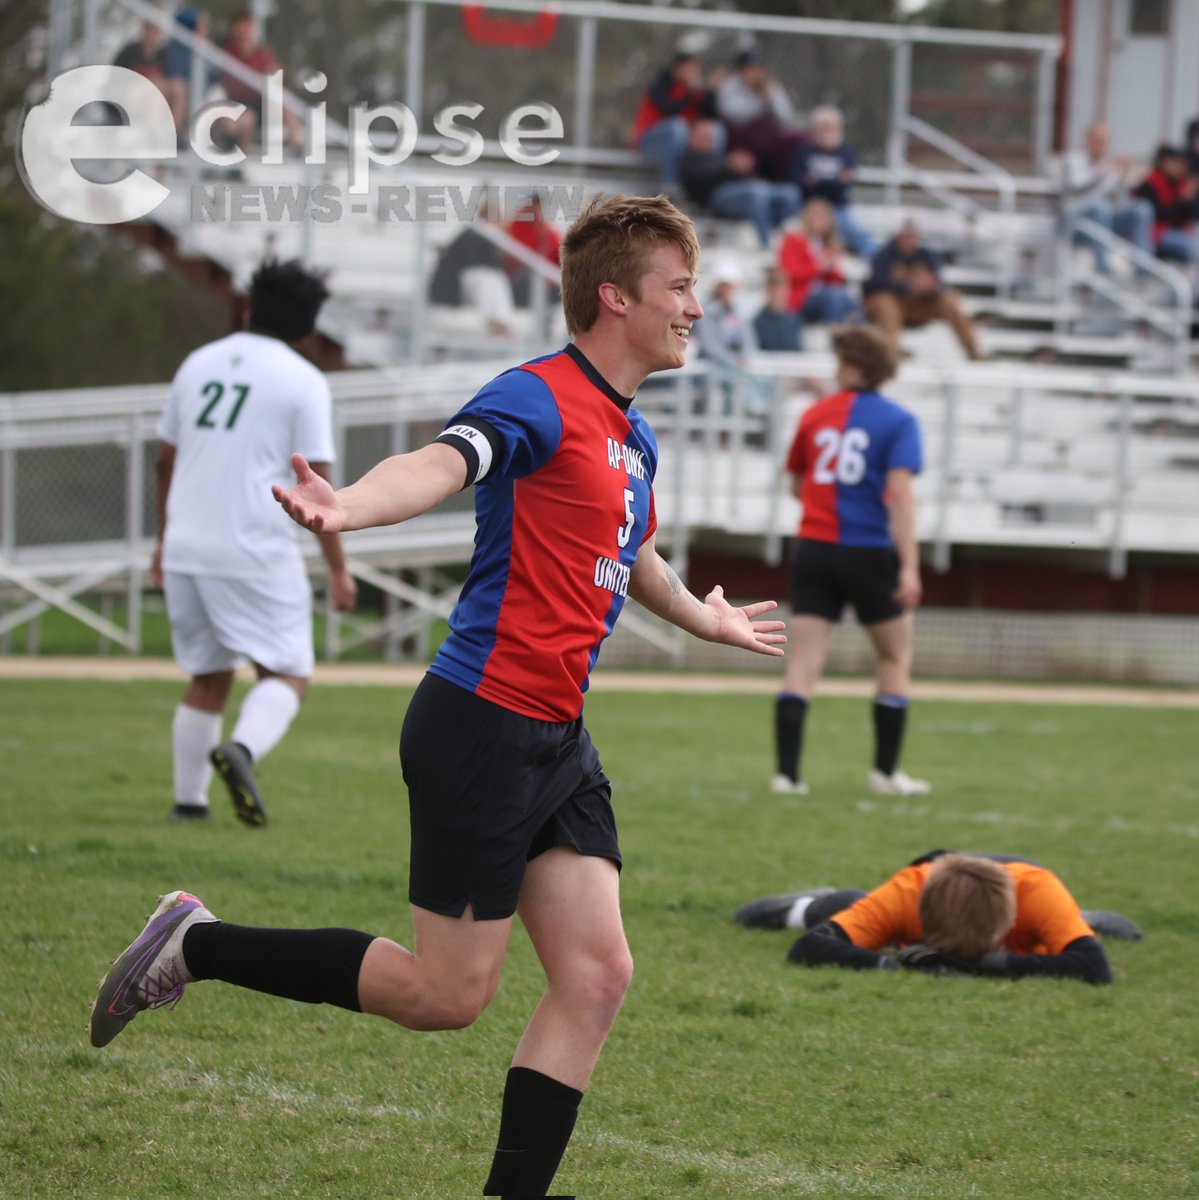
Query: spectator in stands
(177, 67)
(825, 168)
(725, 336)
(810, 257)
(535, 233)
(245, 44)
(760, 116)
(950, 914)
(144, 54)
(905, 288)
(727, 186)
(1095, 185)
(852, 466)
(471, 273)
(669, 107)
(1172, 192)
(777, 326)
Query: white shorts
(218, 623)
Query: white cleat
(784, 785)
(898, 783)
(151, 972)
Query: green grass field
(729, 1074)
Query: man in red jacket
(1172, 192)
(668, 108)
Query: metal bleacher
(1076, 436)
(1016, 455)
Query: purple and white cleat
(151, 972)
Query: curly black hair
(285, 299)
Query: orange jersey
(1047, 917)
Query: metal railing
(66, 47)
(1091, 461)
(989, 175)
(1172, 320)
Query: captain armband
(477, 443)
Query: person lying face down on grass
(949, 914)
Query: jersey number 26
(842, 457)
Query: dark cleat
(1112, 925)
(188, 812)
(771, 912)
(234, 765)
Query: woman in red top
(810, 255)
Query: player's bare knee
(458, 1010)
(601, 984)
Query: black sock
(890, 716)
(789, 713)
(536, 1122)
(317, 966)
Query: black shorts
(488, 790)
(825, 576)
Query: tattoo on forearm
(676, 585)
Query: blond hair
(966, 904)
(611, 243)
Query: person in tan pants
(905, 288)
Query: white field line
(406, 675)
(763, 1172)
(905, 811)
(258, 1085)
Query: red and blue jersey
(564, 469)
(843, 449)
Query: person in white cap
(725, 335)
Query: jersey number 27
(214, 392)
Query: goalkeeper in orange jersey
(949, 913)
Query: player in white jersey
(235, 582)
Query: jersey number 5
(842, 457)
(214, 392)
(626, 530)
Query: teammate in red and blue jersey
(852, 465)
(510, 808)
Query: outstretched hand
(738, 627)
(312, 502)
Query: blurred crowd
(731, 143)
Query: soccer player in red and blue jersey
(510, 808)
(852, 465)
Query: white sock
(193, 735)
(796, 914)
(269, 708)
